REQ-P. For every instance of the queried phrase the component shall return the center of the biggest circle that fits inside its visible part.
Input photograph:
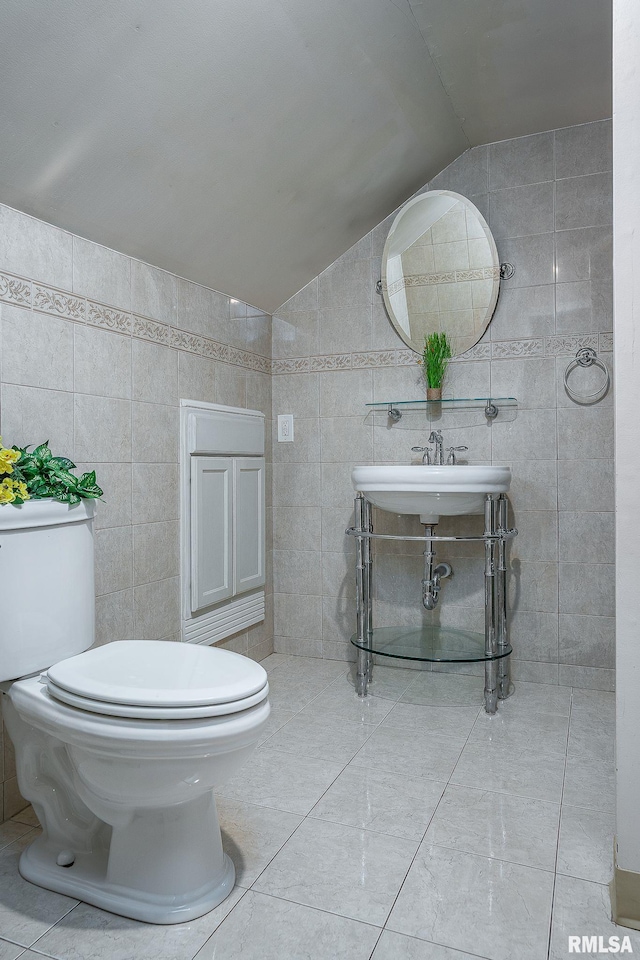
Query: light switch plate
(285, 428)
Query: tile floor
(408, 826)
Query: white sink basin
(430, 491)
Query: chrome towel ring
(587, 357)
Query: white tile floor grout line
(555, 870)
(395, 900)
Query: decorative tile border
(14, 290)
(190, 342)
(489, 350)
(481, 351)
(566, 346)
(259, 364)
(58, 303)
(25, 293)
(215, 351)
(428, 279)
(100, 316)
(517, 348)
(19, 291)
(383, 358)
(292, 365)
(340, 361)
(151, 330)
(405, 358)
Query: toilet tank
(47, 594)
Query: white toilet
(118, 748)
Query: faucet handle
(426, 454)
(451, 459)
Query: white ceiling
(245, 144)
(512, 67)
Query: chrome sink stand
(364, 594)
(497, 649)
(497, 679)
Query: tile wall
(96, 351)
(548, 201)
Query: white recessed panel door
(249, 523)
(211, 530)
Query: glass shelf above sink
(455, 411)
(433, 644)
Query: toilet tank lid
(45, 513)
(159, 673)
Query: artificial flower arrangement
(38, 475)
(434, 359)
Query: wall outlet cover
(285, 428)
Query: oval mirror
(440, 271)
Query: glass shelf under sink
(435, 644)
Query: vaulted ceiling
(245, 144)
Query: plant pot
(434, 393)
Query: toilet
(119, 748)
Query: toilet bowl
(119, 749)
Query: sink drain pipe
(433, 576)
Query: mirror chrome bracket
(379, 287)
(507, 270)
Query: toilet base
(85, 880)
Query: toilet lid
(159, 674)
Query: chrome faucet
(438, 456)
(436, 437)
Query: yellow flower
(21, 487)
(6, 493)
(11, 490)
(8, 458)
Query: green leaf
(63, 476)
(43, 451)
(88, 479)
(27, 460)
(89, 493)
(436, 354)
(64, 462)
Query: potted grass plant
(38, 475)
(435, 356)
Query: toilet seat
(158, 680)
(133, 712)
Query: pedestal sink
(430, 491)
